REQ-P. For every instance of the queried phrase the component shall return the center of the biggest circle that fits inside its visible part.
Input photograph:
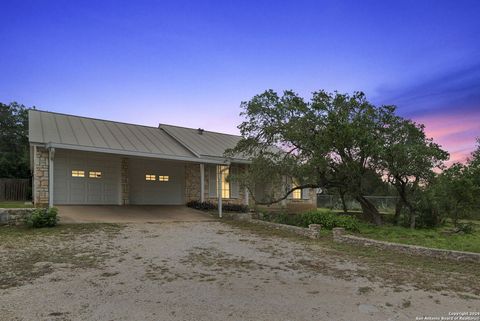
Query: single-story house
(86, 161)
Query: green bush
(326, 218)
(208, 206)
(42, 217)
(329, 220)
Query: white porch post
(246, 196)
(202, 183)
(219, 191)
(51, 155)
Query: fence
(15, 189)
(383, 203)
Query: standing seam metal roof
(75, 132)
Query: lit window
(149, 177)
(223, 172)
(163, 178)
(78, 173)
(296, 194)
(95, 174)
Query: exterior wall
(124, 184)
(192, 186)
(40, 176)
(295, 205)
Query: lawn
(15, 204)
(442, 238)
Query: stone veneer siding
(192, 186)
(40, 178)
(124, 185)
(14, 216)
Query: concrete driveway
(129, 214)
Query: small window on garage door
(163, 178)
(150, 177)
(78, 173)
(95, 174)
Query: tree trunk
(398, 212)
(369, 210)
(344, 205)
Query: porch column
(219, 191)
(246, 196)
(51, 155)
(202, 183)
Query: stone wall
(124, 184)
(192, 186)
(313, 230)
(40, 177)
(340, 236)
(14, 216)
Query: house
(85, 161)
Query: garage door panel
(156, 192)
(86, 190)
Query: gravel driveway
(216, 271)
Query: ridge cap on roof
(204, 130)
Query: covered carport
(130, 214)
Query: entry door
(82, 178)
(155, 182)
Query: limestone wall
(40, 163)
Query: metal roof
(89, 134)
(202, 142)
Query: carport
(130, 214)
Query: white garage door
(86, 178)
(155, 182)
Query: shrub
(329, 220)
(42, 217)
(467, 228)
(207, 206)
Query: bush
(207, 206)
(42, 217)
(326, 218)
(467, 228)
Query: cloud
(447, 103)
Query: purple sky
(191, 63)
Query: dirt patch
(217, 271)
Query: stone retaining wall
(14, 216)
(340, 236)
(313, 230)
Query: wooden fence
(15, 189)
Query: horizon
(191, 64)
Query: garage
(154, 182)
(82, 178)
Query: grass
(15, 204)
(26, 254)
(441, 238)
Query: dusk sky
(191, 63)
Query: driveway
(129, 214)
(217, 271)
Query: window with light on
(223, 172)
(78, 173)
(150, 177)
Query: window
(163, 178)
(150, 177)
(78, 173)
(223, 172)
(92, 174)
(296, 194)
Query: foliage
(42, 217)
(443, 237)
(14, 157)
(208, 206)
(327, 218)
(333, 141)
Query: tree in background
(408, 160)
(14, 150)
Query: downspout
(51, 155)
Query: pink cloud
(454, 132)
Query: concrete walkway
(129, 214)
